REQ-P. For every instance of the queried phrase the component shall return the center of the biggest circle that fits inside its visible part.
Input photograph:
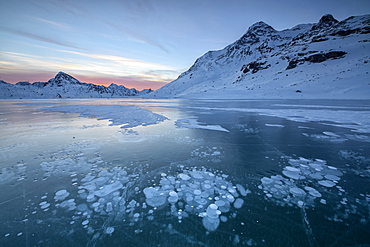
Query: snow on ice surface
(357, 120)
(275, 125)
(194, 124)
(127, 116)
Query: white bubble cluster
(303, 181)
(196, 191)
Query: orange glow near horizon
(128, 82)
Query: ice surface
(127, 116)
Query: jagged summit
(254, 33)
(260, 28)
(62, 77)
(325, 21)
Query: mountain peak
(62, 77)
(260, 28)
(325, 21)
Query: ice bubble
(212, 211)
(292, 169)
(44, 205)
(207, 186)
(297, 191)
(136, 215)
(230, 198)
(85, 222)
(173, 197)
(241, 190)
(90, 198)
(211, 224)
(109, 207)
(197, 192)
(157, 199)
(184, 177)
(109, 230)
(69, 204)
(201, 201)
(238, 203)
(323, 201)
(223, 218)
(220, 203)
(189, 198)
(149, 192)
(317, 167)
(312, 191)
(332, 177)
(266, 180)
(292, 174)
(316, 175)
(327, 183)
(82, 207)
(197, 175)
(108, 189)
(61, 195)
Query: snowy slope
(329, 59)
(64, 86)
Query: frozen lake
(137, 172)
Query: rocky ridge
(65, 86)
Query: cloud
(55, 24)
(40, 38)
(140, 37)
(93, 68)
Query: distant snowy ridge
(64, 86)
(329, 59)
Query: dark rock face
(321, 57)
(316, 58)
(254, 66)
(325, 22)
(23, 83)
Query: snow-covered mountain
(329, 59)
(64, 86)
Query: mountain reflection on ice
(269, 180)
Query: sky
(137, 43)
